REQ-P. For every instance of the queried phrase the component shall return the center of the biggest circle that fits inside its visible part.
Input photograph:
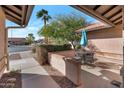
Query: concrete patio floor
(35, 76)
(99, 76)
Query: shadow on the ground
(105, 65)
(108, 65)
(90, 80)
(44, 81)
(59, 78)
(111, 75)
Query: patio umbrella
(83, 41)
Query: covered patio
(108, 40)
(19, 14)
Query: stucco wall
(2, 40)
(108, 40)
(72, 70)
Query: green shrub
(53, 48)
(26, 43)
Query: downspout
(6, 41)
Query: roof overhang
(108, 14)
(19, 14)
(93, 26)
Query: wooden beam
(123, 19)
(13, 19)
(13, 16)
(18, 15)
(14, 9)
(109, 9)
(117, 18)
(96, 7)
(24, 12)
(11, 13)
(120, 22)
(93, 13)
(117, 21)
(28, 15)
(18, 6)
(115, 14)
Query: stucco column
(122, 69)
(3, 48)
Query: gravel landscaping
(11, 80)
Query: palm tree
(43, 14)
(30, 38)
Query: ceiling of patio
(110, 14)
(19, 14)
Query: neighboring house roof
(16, 39)
(40, 41)
(93, 26)
(19, 14)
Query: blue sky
(35, 24)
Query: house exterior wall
(109, 41)
(17, 41)
(2, 41)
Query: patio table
(86, 56)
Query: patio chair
(86, 55)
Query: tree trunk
(46, 38)
(72, 44)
